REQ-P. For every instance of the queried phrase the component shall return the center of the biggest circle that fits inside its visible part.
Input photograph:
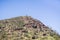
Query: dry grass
(25, 28)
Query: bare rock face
(26, 28)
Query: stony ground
(25, 28)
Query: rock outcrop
(26, 28)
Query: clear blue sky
(47, 11)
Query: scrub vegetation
(26, 28)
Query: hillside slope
(25, 28)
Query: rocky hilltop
(26, 28)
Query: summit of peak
(25, 28)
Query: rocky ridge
(26, 28)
